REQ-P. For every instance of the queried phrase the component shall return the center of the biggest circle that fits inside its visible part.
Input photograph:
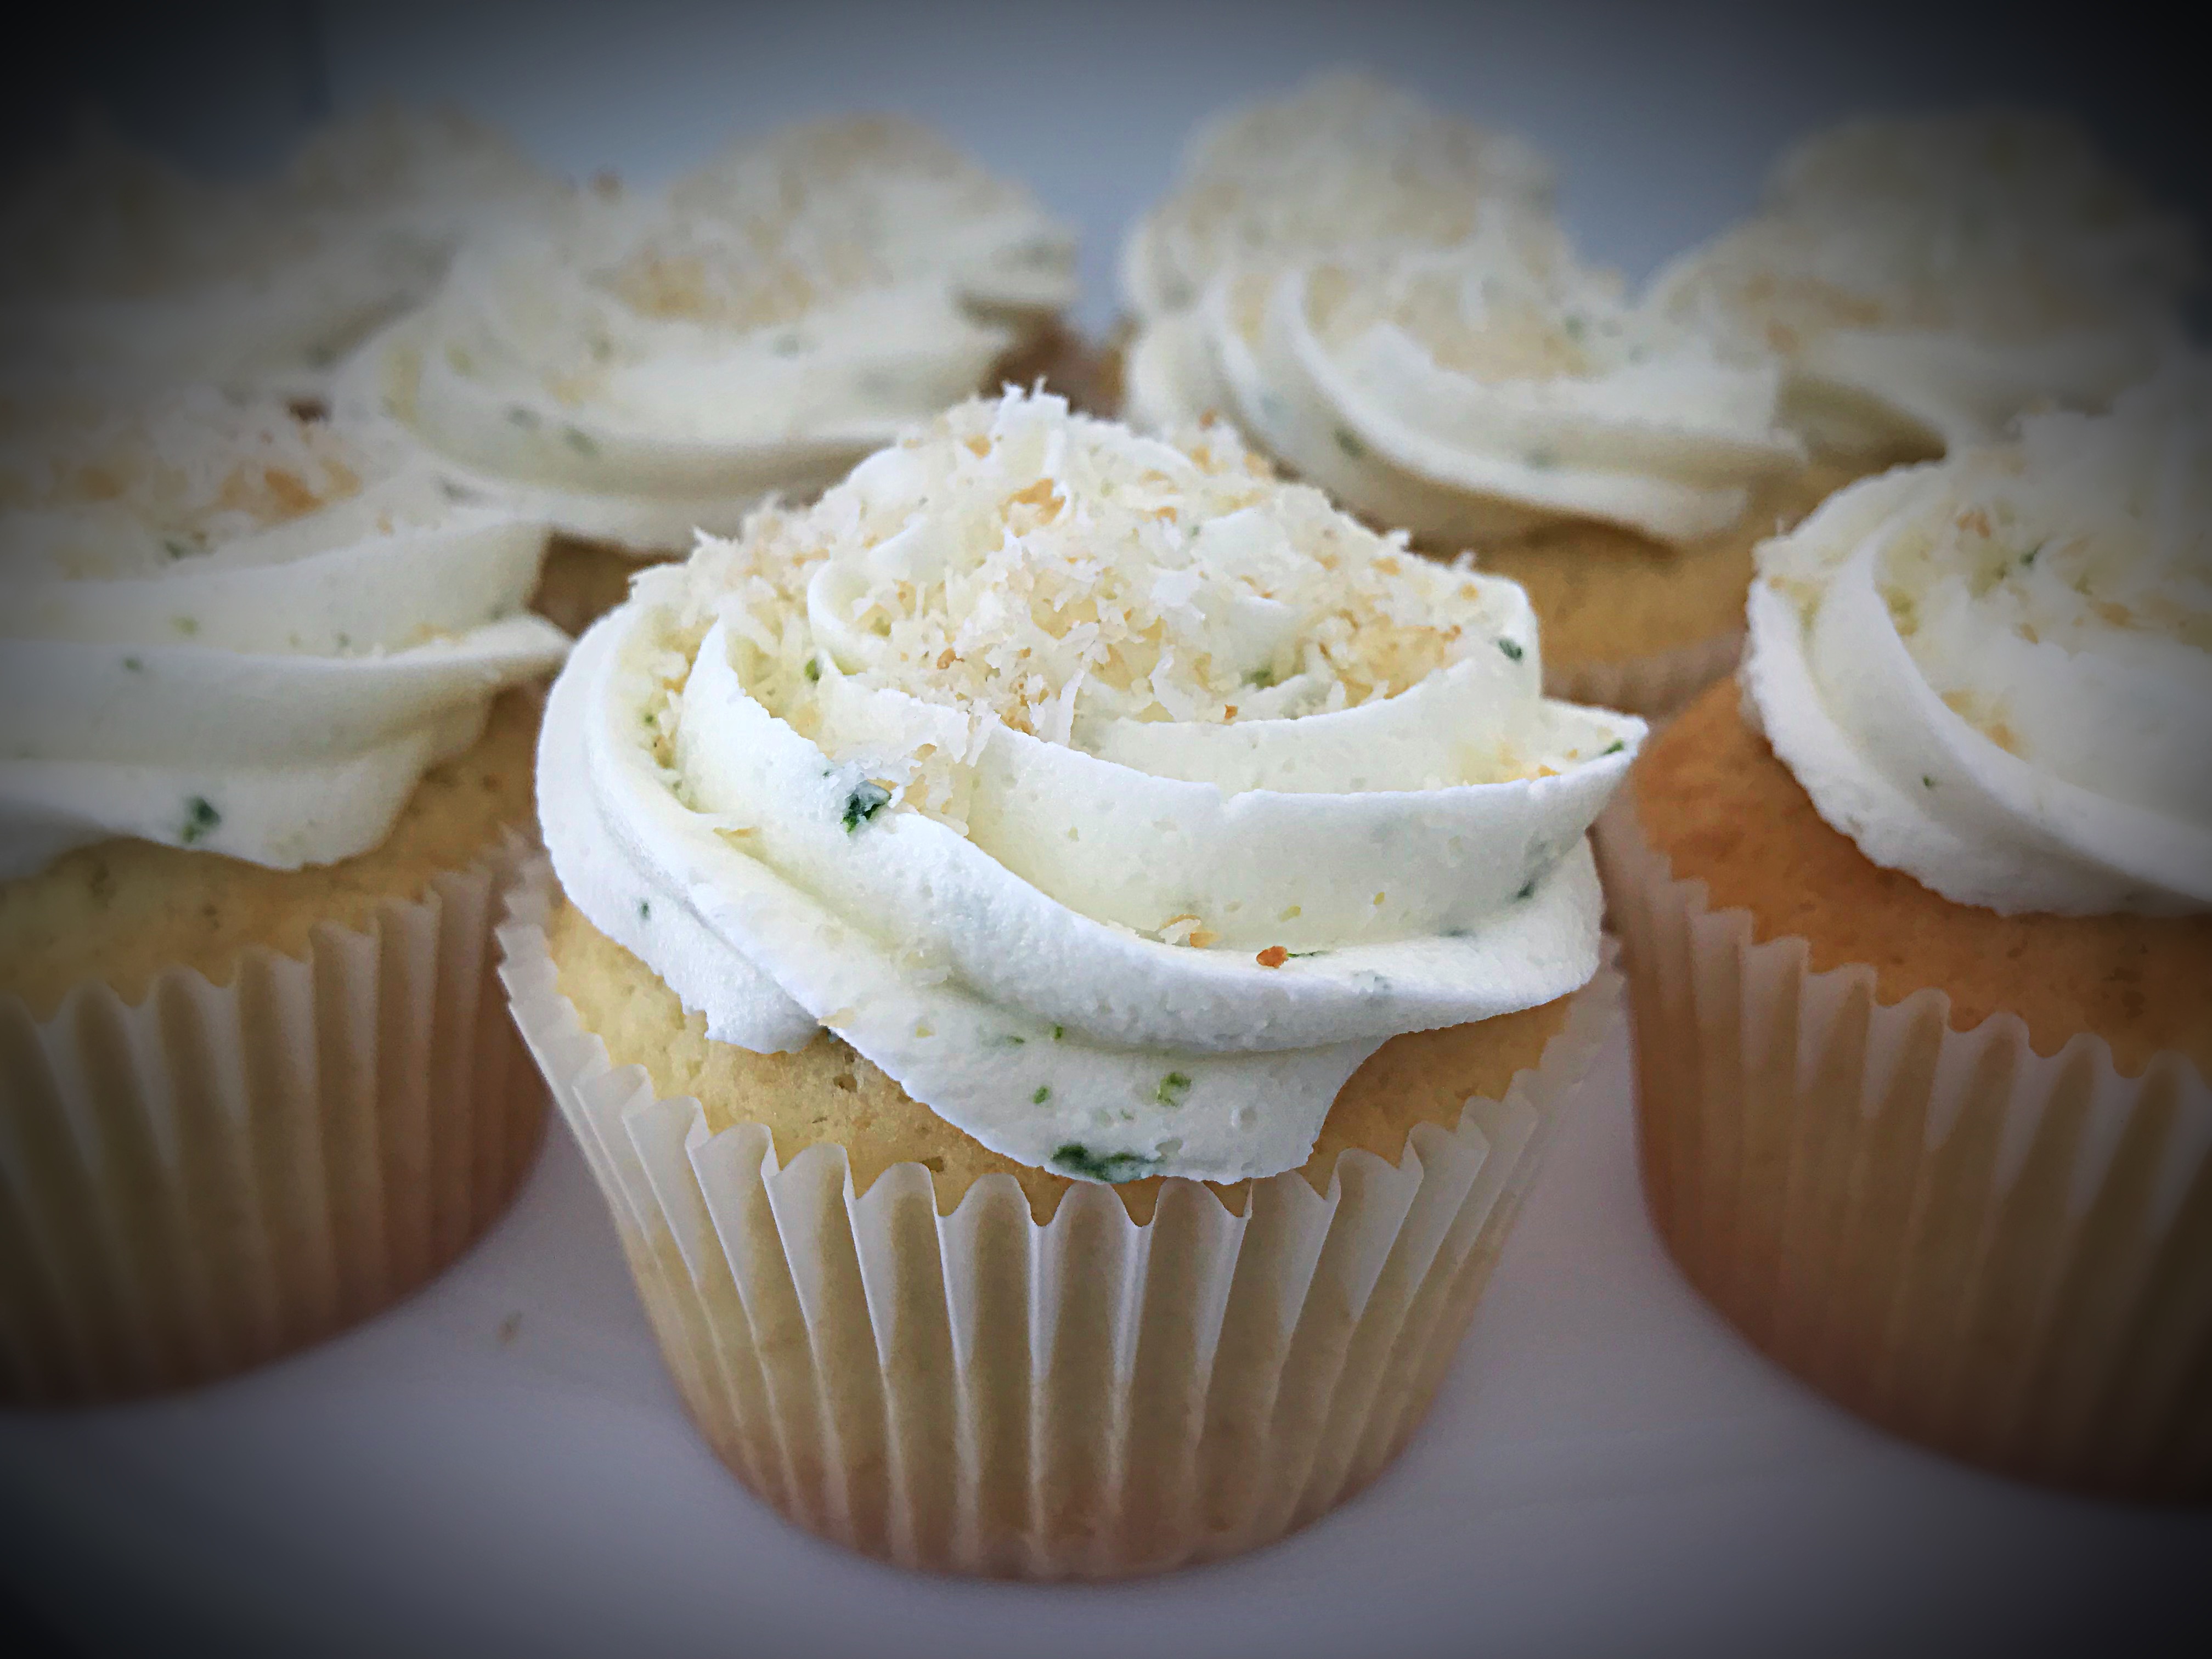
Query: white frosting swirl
(1472, 392)
(634, 369)
(128, 271)
(1927, 279)
(223, 628)
(1020, 758)
(1341, 159)
(1995, 672)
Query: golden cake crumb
(1713, 798)
(1603, 594)
(124, 910)
(826, 1093)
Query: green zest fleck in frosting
(1174, 1089)
(1076, 1159)
(200, 820)
(864, 803)
(1511, 648)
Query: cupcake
(267, 781)
(1463, 377)
(1918, 944)
(639, 367)
(1069, 951)
(1926, 279)
(1341, 158)
(128, 272)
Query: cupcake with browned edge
(642, 365)
(1918, 941)
(1070, 949)
(1438, 358)
(266, 784)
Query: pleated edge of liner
(551, 1025)
(509, 864)
(1647, 873)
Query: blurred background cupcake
(128, 274)
(1925, 279)
(958, 874)
(266, 784)
(639, 366)
(1919, 952)
(1437, 358)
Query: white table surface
(500, 1466)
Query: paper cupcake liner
(1090, 1398)
(218, 1175)
(1653, 686)
(2004, 1256)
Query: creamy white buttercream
(1113, 797)
(224, 628)
(1927, 279)
(1341, 158)
(124, 270)
(634, 367)
(1472, 392)
(1995, 672)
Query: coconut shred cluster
(846, 277)
(1996, 672)
(227, 628)
(1434, 355)
(1925, 279)
(1114, 798)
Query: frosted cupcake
(1926, 279)
(1388, 307)
(1919, 947)
(266, 769)
(640, 366)
(128, 272)
(1341, 158)
(960, 875)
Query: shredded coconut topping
(1054, 572)
(1341, 158)
(195, 468)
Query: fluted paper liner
(1653, 686)
(1089, 1398)
(2002, 1254)
(217, 1174)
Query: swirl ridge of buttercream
(1113, 797)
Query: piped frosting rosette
(1471, 392)
(129, 273)
(225, 628)
(1926, 279)
(1113, 797)
(1341, 159)
(1995, 672)
(636, 367)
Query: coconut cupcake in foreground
(1920, 950)
(1926, 279)
(641, 366)
(266, 781)
(1483, 388)
(960, 873)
